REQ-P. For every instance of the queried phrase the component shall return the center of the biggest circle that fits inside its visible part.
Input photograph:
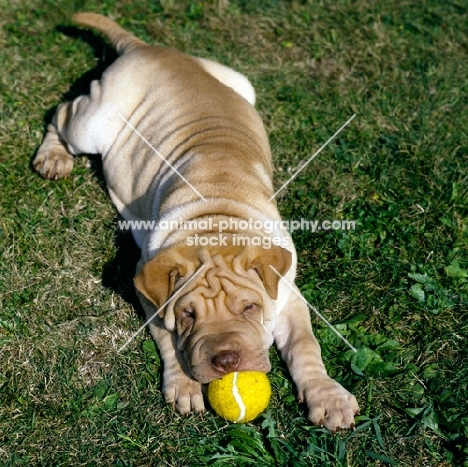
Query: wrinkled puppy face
(223, 306)
(221, 327)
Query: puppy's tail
(122, 40)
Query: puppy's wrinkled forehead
(219, 275)
(222, 290)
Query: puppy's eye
(249, 307)
(189, 313)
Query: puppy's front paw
(329, 403)
(185, 393)
(53, 163)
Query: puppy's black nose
(226, 362)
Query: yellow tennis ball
(241, 396)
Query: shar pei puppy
(186, 159)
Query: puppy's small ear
(156, 279)
(261, 259)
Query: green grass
(396, 287)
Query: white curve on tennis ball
(238, 398)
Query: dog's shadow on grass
(103, 52)
(118, 273)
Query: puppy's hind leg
(78, 127)
(53, 160)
